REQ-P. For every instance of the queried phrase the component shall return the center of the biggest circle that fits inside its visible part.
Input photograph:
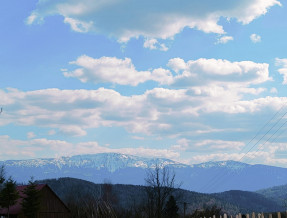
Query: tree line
(9, 195)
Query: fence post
(247, 215)
(236, 215)
(239, 215)
(278, 215)
(253, 215)
(213, 216)
(224, 215)
(270, 215)
(262, 215)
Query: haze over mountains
(117, 168)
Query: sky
(192, 81)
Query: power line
(213, 182)
(216, 182)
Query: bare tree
(160, 185)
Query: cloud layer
(42, 147)
(124, 19)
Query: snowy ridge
(230, 164)
(109, 161)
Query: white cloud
(177, 64)
(191, 73)
(181, 144)
(72, 130)
(224, 39)
(153, 44)
(273, 90)
(114, 70)
(283, 70)
(220, 145)
(161, 19)
(150, 43)
(218, 71)
(79, 26)
(31, 135)
(138, 137)
(255, 38)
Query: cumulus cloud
(218, 71)
(161, 19)
(282, 62)
(116, 71)
(177, 64)
(224, 39)
(191, 73)
(255, 38)
(153, 44)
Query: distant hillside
(207, 177)
(249, 201)
(129, 196)
(277, 194)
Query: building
(51, 205)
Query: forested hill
(276, 193)
(129, 197)
(248, 201)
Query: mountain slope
(276, 193)
(127, 169)
(129, 196)
(249, 201)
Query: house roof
(16, 208)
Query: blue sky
(192, 82)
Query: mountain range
(209, 177)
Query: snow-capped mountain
(108, 161)
(129, 169)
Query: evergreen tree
(2, 176)
(31, 200)
(171, 208)
(9, 195)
